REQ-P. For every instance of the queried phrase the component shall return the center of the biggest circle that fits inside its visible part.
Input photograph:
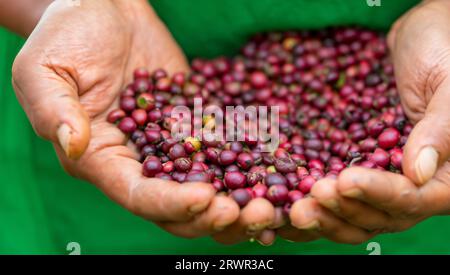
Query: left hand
(67, 90)
(364, 202)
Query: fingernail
(426, 164)
(257, 226)
(64, 134)
(331, 204)
(355, 193)
(314, 225)
(264, 244)
(219, 228)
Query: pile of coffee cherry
(337, 101)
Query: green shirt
(42, 209)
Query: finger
(280, 218)
(425, 151)
(222, 212)
(350, 210)
(391, 38)
(114, 170)
(50, 100)
(293, 234)
(387, 191)
(266, 237)
(307, 214)
(254, 218)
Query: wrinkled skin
(362, 202)
(68, 76)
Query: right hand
(68, 77)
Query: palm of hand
(103, 65)
(85, 56)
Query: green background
(42, 209)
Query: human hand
(68, 77)
(385, 202)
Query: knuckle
(18, 68)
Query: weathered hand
(387, 202)
(68, 77)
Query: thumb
(428, 145)
(50, 100)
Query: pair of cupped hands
(70, 72)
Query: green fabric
(42, 209)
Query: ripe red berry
(234, 180)
(168, 167)
(316, 164)
(139, 116)
(278, 194)
(116, 115)
(127, 125)
(177, 151)
(152, 166)
(218, 184)
(155, 115)
(306, 184)
(376, 128)
(241, 196)
(259, 191)
(380, 158)
(153, 136)
(275, 179)
(227, 157)
(141, 73)
(396, 158)
(389, 138)
(295, 195)
(258, 80)
(245, 161)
